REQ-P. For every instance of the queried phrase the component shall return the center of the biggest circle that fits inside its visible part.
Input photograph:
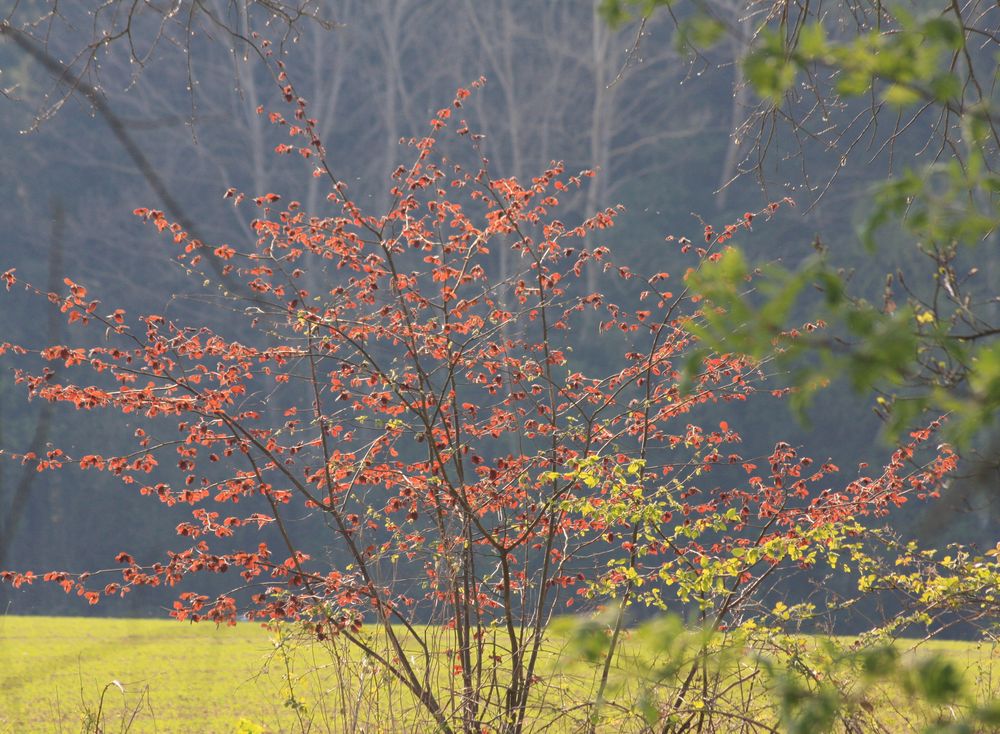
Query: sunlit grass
(174, 677)
(199, 678)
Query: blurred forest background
(662, 125)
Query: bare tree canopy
(858, 83)
(79, 36)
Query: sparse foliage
(417, 460)
(864, 83)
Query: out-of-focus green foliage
(932, 344)
(768, 680)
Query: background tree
(860, 84)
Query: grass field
(155, 676)
(199, 678)
(168, 677)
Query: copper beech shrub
(480, 439)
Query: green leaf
(590, 641)
(700, 32)
(946, 87)
(812, 41)
(646, 706)
(900, 96)
(613, 13)
(879, 662)
(769, 70)
(946, 31)
(853, 83)
(938, 680)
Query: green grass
(200, 679)
(180, 677)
